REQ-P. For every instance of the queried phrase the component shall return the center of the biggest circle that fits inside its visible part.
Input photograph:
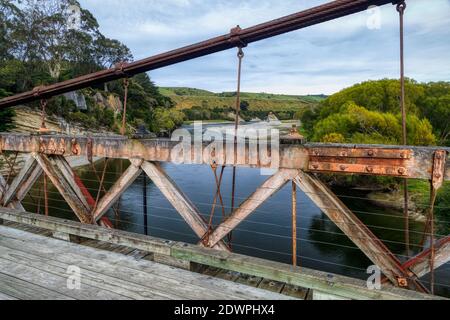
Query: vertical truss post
(437, 180)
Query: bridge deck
(34, 266)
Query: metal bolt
(402, 155)
(402, 171)
(369, 169)
(343, 167)
(371, 153)
(315, 166)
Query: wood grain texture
(40, 265)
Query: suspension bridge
(36, 249)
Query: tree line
(48, 41)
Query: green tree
(355, 124)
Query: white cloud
(320, 59)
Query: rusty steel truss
(298, 164)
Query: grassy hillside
(259, 104)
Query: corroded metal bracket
(369, 161)
(438, 174)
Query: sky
(321, 59)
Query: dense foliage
(369, 112)
(43, 42)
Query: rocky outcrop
(111, 101)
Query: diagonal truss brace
(13, 205)
(264, 192)
(65, 184)
(356, 230)
(23, 182)
(179, 201)
(121, 185)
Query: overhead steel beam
(237, 37)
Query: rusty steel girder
(236, 38)
(396, 161)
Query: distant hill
(259, 104)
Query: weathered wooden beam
(179, 201)
(364, 159)
(264, 192)
(335, 285)
(25, 176)
(121, 185)
(65, 187)
(356, 230)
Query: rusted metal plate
(368, 160)
(375, 153)
(358, 169)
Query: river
(266, 233)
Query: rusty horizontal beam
(237, 37)
(417, 165)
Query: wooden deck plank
(166, 288)
(114, 275)
(54, 282)
(12, 288)
(89, 277)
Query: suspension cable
(240, 56)
(401, 7)
(43, 128)
(126, 83)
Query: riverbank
(419, 201)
